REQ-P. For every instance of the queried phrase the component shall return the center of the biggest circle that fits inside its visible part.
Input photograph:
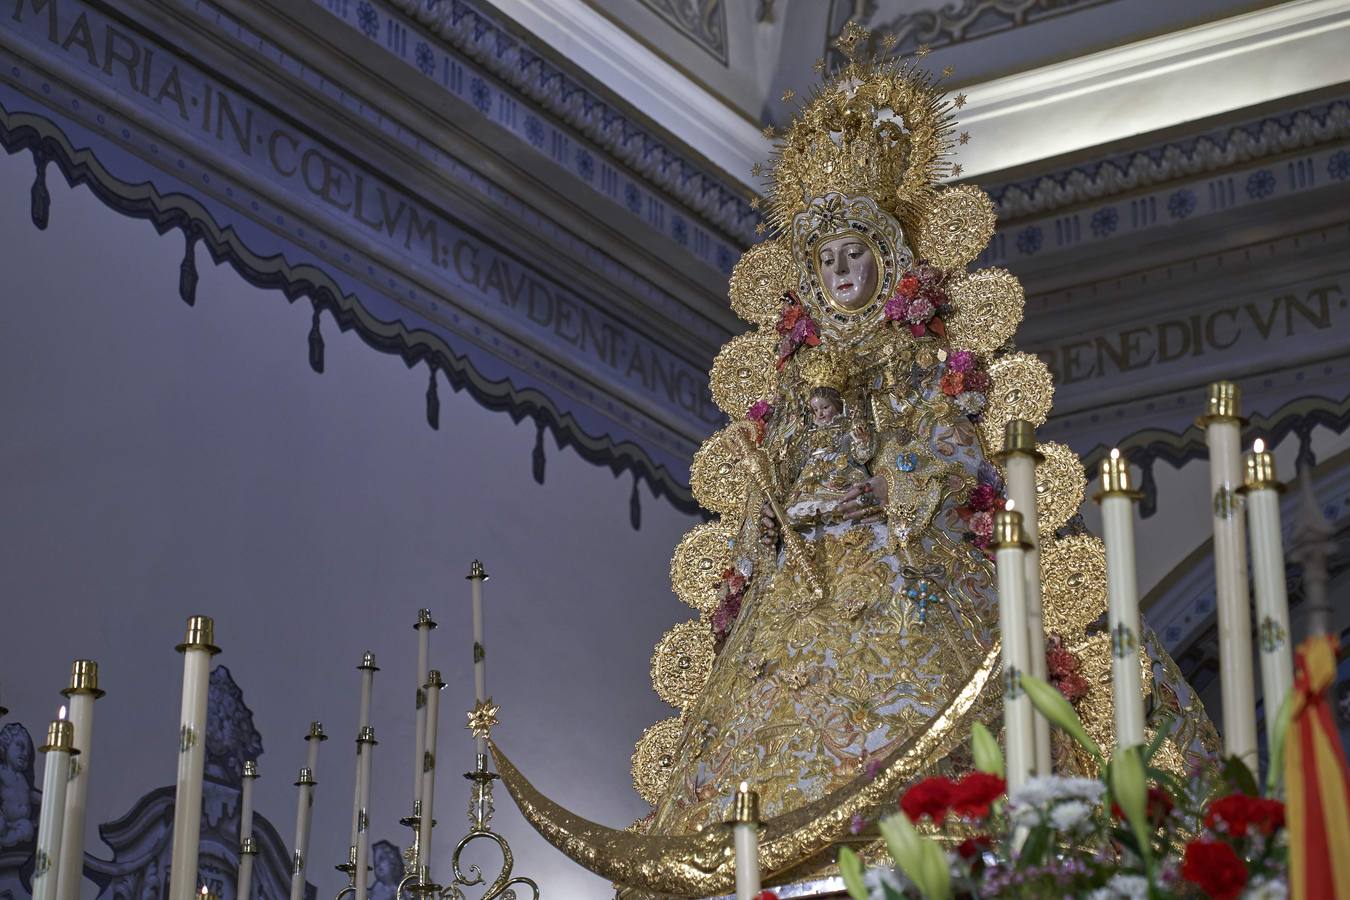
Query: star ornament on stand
(482, 717)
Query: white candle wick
(1259, 446)
(61, 713)
(1115, 453)
(1011, 504)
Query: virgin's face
(848, 269)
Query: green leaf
(915, 855)
(1034, 847)
(851, 868)
(1279, 734)
(1059, 713)
(1130, 791)
(1239, 778)
(988, 757)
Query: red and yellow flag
(1317, 782)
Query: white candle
(745, 831)
(1122, 590)
(1010, 562)
(367, 670)
(1222, 424)
(365, 747)
(1019, 459)
(57, 754)
(423, 628)
(477, 575)
(1263, 491)
(313, 738)
(247, 846)
(428, 821)
(197, 650)
(304, 812)
(81, 694)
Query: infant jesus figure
(833, 485)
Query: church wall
(162, 460)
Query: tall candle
(428, 821)
(477, 575)
(1263, 491)
(304, 812)
(1020, 458)
(1010, 561)
(57, 755)
(1222, 424)
(423, 627)
(745, 831)
(197, 649)
(81, 694)
(365, 747)
(248, 848)
(313, 738)
(367, 670)
(1117, 500)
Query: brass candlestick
(481, 720)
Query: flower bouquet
(1136, 833)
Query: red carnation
(953, 383)
(930, 797)
(972, 847)
(977, 381)
(908, 288)
(1235, 813)
(766, 895)
(975, 792)
(1215, 868)
(1159, 806)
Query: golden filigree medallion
(1073, 582)
(745, 371)
(957, 228)
(718, 476)
(1060, 486)
(654, 758)
(701, 557)
(763, 275)
(986, 309)
(1021, 388)
(681, 663)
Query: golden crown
(827, 368)
(879, 128)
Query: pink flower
(982, 498)
(982, 523)
(760, 411)
(962, 361)
(927, 274)
(919, 310)
(895, 308)
(977, 381)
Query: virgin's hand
(768, 527)
(865, 502)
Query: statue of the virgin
(848, 631)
